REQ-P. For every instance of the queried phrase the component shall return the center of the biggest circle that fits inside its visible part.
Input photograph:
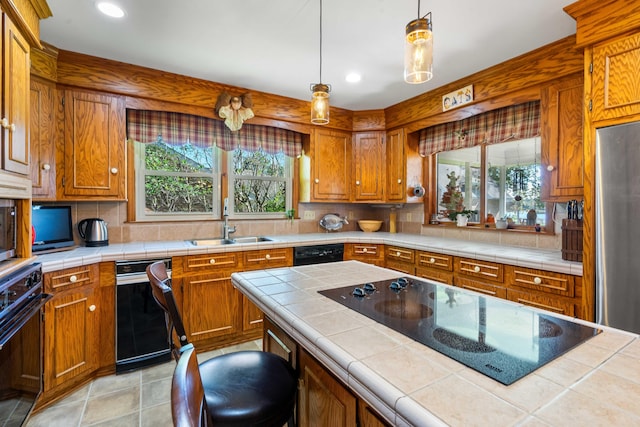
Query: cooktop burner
(496, 338)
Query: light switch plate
(309, 214)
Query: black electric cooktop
(498, 339)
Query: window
(178, 159)
(176, 181)
(259, 183)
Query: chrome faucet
(226, 228)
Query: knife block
(572, 240)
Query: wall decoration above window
(457, 98)
(234, 109)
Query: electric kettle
(94, 232)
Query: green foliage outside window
(259, 182)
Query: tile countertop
(544, 259)
(596, 383)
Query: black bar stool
(246, 388)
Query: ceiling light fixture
(320, 98)
(418, 50)
(110, 9)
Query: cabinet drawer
(208, 261)
(483, 288)
(394, 253)
(402, 267)
(267, 258)
(435, 274)
(70, 278)
(484, 270)
(434, 260)
(276, 341)
(361, 250)
(544, 281)
(544, 302)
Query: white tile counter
(596, 383)
(544, 259)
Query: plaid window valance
(510, 123)
(176, 128)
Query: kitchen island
(407, 383)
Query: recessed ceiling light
(110, 9)
(353, 77)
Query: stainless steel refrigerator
(618, 226)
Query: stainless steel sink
(211, 242)
(220, 242)
(252, 239)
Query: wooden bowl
(369, 225)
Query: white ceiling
(273, 46)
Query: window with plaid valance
(176, 128)
(510, 123)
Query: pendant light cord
(320, 41)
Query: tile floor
(135, 399)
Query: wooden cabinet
(15, 99)
(615, 91)
(562, 146)
(210, 305)
(370, 253)
(396, 186)
(42, 127)
(434, 266)
(276, 341)
(267, 258)
(368, 167)
(91, 154)
(400, 259)
(71, 344)
(330, 165)
(556, 292)
(323, 400)
(480, 276)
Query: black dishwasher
(318, 254)
(141, 331)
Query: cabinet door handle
(398, 253)
(399, 181)
(432, 260)
(212, 261)
(46, 166)
(114, 170)
(537, 280)
(73, 279)
(476, 269)
(316, 180)
(267, 256)
(550, 168)
(92, 308)
(364, 250)
(357, 182)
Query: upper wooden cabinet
(615, 80)
(15, 99)
(42, 139)
(330, 165)
(562, 157)
(396, 167)
(91, 154)
(368, 167)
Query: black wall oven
(141, 331)
(21, 338)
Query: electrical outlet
(350, 214)
(309, 214)
(408, 217)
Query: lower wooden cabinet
(323, 400)
(370, 253)
(252, 317)
(434, 266)
(71, 322)
(400, 259)
(276, 341)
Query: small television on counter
(52, 228)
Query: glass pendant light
(320, 98)
(418, 51)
